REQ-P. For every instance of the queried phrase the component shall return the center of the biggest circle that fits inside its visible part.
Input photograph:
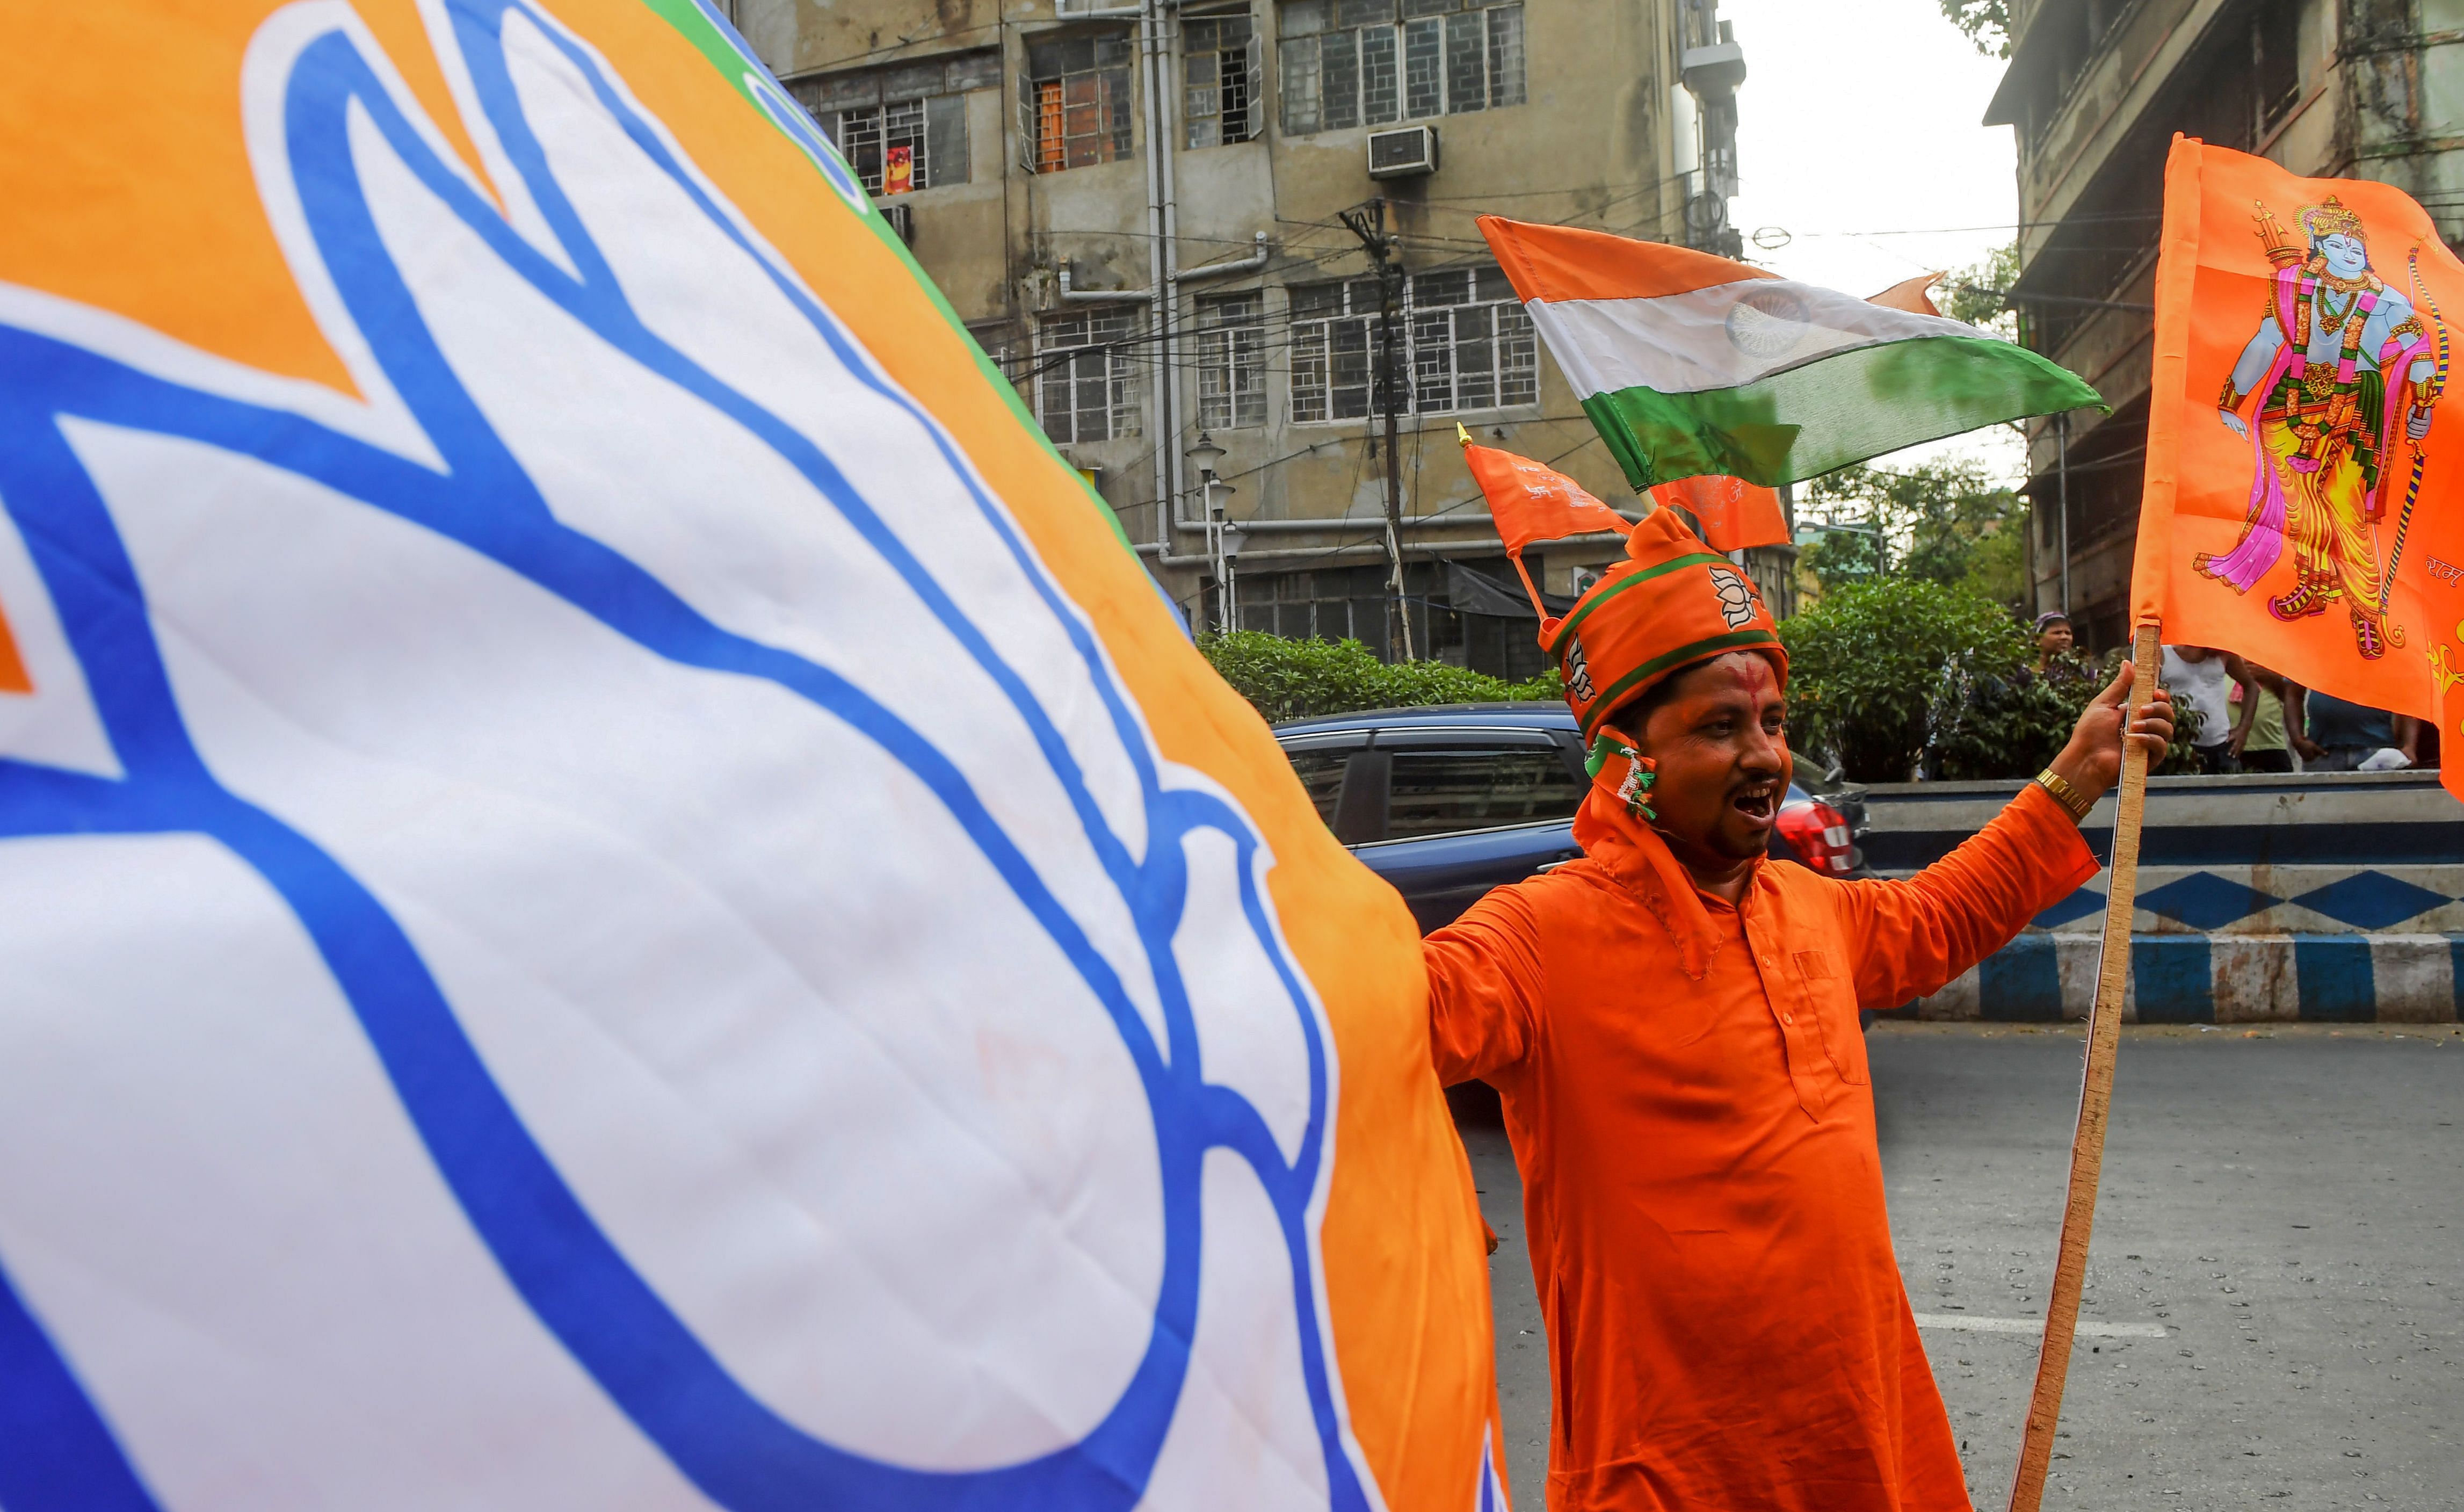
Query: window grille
(1425, 56)
(1372, 62)
(871, 114)
(874, 140)
(1221, 99)
(1231, 361)
(1087, 375)
(1332, 604)
(1464, 340)
(1334, 349)
(1472, 344)
(1504, 56)
(1076, 99)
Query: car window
(1443, 790)
(1320, 773)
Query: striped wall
(2331, 898)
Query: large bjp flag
(2304, 501)
(614, 891)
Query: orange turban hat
(1672, 602)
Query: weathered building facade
(2095, 92)
(1140, 210)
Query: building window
(902, 127)
(1087, 375)
(1231, 360)
(887, 145)
(1472, 344)
(999, 340)
(1334, 336)
(1076, 100)
(1373, 62)
(1464, 340)
(1333, 603)
(1218, 70)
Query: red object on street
(1819, 834)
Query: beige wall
(1589, 145)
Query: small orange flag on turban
(1729, 513)
(1672, 602)
(1532, 502)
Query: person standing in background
(2052, 638)
(2258, 741)
(2335, 735)
(2200, 677)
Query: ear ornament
(1641, 773)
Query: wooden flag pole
(2096, 1098)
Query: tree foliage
(1286, 679)
(1979, 294)
(1899, 674)
(1987, 23)
(1943, 523)
(1864, 662)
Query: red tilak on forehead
(1753, 672)
(1738, 671)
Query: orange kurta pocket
(1832, 995)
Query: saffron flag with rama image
(1689, 363)
(616, 892)
(2304, 499)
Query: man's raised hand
(2092, 762)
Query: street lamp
(1204, 453)
(1232, 538)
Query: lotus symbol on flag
(649, 935)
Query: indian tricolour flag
(1690, 364)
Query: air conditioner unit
(1404, 154)
(901, 219)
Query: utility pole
(2062, 485)
(1369, 224)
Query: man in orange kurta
(1672, 1022)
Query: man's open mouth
(1758, 801)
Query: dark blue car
(1449, 802)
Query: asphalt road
(2287, 1208)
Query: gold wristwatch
(2067, 796)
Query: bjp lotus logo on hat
(1738, 601)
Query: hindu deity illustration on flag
(615, 890)
(2304, 486)
(2338, 381)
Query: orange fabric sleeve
(1914, 936)
(1484, 987)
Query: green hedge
(1300, 679)
(1898, 674)
(1883, 677)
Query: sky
(1858, 136)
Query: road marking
(2086, 1329)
